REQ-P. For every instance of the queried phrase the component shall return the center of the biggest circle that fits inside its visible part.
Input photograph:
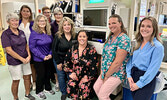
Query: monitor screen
(95, 17)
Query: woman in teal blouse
(146, 60)
(114, 58)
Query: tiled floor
(5, 88)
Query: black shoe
(29, 97)
(63, 97)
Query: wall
(29, 1)
(43, 2)
(49, 2)
(0, 17)
(127, 3)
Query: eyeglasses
(46, 12)
(42, 21)
(58, 14)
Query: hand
(23, 60)
(65, 69)
(130, 80)
(49, 56)
(46, 58)
(28, 59)
(84, 79)
(100, 76)
(73, 76)
(105, 79)
(134, 87)
(59, 66)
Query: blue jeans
(62, 76)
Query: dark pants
(127, 95)
(43, 70)
(146, 92)
(53, 71)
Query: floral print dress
(85, 65)
(109, 54)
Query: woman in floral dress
(81, 64)
(114, 58)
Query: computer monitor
(95, 17)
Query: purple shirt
(40, 45)
(17, 43)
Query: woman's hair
(61, 31)
(36, 27)
(25, 6)
(57, 10)
(82, 31)
(122, 26)
(11, 15)
(155, 34)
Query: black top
(54, 28)
(60, 47)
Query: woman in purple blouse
(40, 42)
(18, 55)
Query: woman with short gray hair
(18, 55)
(58, 14)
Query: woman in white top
(25, 24)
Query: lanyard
(115, 38)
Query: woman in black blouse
(61, 44)
(81, 64)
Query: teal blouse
(109, 54)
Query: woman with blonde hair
(62, 43)
(40, 45)
(145, 62)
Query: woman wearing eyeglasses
(58, 14)
(46, 12)
(40, 45)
